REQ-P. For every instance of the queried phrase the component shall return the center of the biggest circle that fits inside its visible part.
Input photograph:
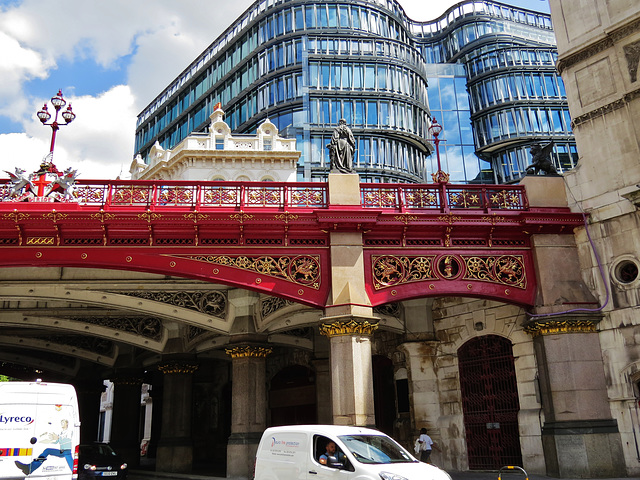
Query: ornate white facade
(220, 155)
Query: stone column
(579, 436)
(175, 448)
(125, 437)
(89, 391)
(351, 370)
(249, 407)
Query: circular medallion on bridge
(509, 270)
(304, 269)
(449, 267)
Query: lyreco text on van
(39, 431)
(323, 452)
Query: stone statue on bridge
(342, 148)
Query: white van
(39, 431)
(305, 452)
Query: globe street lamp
(435, 129)
(68, 116)
(58, 102)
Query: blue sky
(110, 59)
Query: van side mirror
(333, 462)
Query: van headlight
(391, 476)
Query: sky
(110, 59)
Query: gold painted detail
(15, 216)
(241, 217)
(505, 270)
(505, 199)
(464, 199)
(196, 216)
(390, 270)
(178, 367)
(248, 351)
(41, 240)
(301, 269)
(554, 327)
(351, 327)
(102, 216)
(285, 217)
(406, 218)
(148, 216)
(54, 216)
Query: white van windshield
(375, 449)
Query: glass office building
(484, 70)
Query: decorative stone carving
(632, 54)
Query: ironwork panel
(490, 403)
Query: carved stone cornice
(598, 46)
(178, 367)
(248, 351)
(351, 327)
(608, 108)
(555, 327)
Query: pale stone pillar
(579, 436)
(323, 391)
(249, 407)
(126, 417)
(351, 371)
(175, 447)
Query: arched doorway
(490, 403)
(292, 397)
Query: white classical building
(220, 155)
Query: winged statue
(19, 181)
(541, 159)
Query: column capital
(558, 324)
(348, 327)
(178, 367)
(248, 351)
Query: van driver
(332, 451)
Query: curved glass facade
(305, 64)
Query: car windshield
(375, 449)
(103, 450)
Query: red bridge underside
(275, 238)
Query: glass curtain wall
(305, 64)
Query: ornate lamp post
(58, 102)
(435, 129)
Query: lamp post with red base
(439, 177)
(68, 116)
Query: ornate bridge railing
(191, 195)
(154, 194)
(444, 197)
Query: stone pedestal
(249, 408)
(126, 417)
(175, 448)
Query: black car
(99, 460)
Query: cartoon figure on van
(64, 439)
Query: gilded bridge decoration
(391, 270)
(299, 269)
(248, 351)
(178, 367)
(351, 327)
(554, 327)
(209, 302)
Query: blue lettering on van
(283, 443)
(5, 420)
